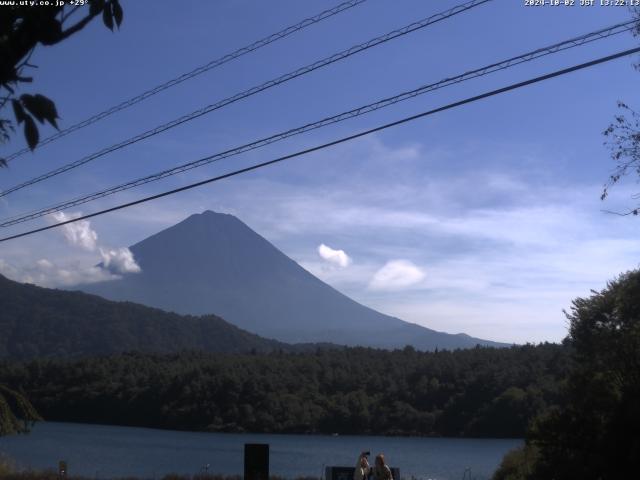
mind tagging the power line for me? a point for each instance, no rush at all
(476, 98)
(254, 90)
(362, 110)
(194, 73)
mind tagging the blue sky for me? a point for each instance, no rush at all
(485, 219)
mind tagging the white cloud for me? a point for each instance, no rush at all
(46, 273)
(78, 233)
(396, 275)
(115, 261)
(335, 257)
(119, 261)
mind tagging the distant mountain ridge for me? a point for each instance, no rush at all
(44, 322)
(214, 263)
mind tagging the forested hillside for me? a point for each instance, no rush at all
(476, 392)
(42, 322)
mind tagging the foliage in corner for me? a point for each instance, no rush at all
(16, 412)
(593, 433)
(22, 29)
(517, 464)
(623, 140)
(622, 137)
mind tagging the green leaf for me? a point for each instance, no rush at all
(117, 12)
(31, 132)
(107, 17)
(32, 106)
(41, 107)
(18, 111)
(48, 109)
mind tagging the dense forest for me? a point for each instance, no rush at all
(483, 392)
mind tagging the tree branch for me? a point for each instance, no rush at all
(78, 26)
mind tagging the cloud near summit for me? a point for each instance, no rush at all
(119, 261)
(80, 234)
(335, 257)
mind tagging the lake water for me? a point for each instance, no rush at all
(100, 451)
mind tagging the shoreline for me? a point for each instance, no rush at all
(293, 433)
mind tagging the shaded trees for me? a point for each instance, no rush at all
(594, 430)
(597, 432)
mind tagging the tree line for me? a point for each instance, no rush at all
(480, 392)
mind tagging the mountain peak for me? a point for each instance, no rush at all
(213, 263)
(209, 216)
(197, 235)
(210, 223)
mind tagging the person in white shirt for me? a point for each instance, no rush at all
(362, 467)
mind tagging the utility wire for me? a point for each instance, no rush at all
(362, 110)
(252, 91)
(194, 73)
(450, 106)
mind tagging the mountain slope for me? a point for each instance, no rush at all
(37, 321)
(214, 263)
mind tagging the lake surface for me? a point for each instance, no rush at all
(100, 451)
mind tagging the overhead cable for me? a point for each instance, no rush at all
(362, 110)
(254, 90)
(193, 73)
(300, 153)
